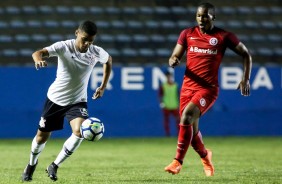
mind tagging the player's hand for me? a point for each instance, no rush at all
(173, 62)
(162, 105)
(244, 87)
(40, 64)
(98, 93)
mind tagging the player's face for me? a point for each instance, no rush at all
(83, 41)
(169, 78)
(204, 19)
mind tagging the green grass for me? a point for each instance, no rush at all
(141, 160)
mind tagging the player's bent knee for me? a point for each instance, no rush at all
(77, 133)
(42, 137)
(186, 119)
(189, 116)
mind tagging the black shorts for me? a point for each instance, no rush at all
(52, 117)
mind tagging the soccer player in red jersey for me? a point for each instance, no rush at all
(204, 45)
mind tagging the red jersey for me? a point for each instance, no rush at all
(204, 53)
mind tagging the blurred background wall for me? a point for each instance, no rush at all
(140, 34)
(140, 31)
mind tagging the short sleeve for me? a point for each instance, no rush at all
(182, 38)
(55, 49)
(231, 40)
(103, 55)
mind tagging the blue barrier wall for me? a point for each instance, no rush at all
(130, 105)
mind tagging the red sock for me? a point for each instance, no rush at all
(198, 145)
(184, 140)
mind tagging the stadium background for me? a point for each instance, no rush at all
(140, 36)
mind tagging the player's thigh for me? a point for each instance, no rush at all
(166, 112)
(76, 114)
(175, 113)
(185, 98)
(52, 117)
(204, 99)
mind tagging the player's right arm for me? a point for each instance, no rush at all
(176, 55)
(38, 57)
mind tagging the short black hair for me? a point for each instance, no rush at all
(88, 27)
(168, 72)
(208, 6)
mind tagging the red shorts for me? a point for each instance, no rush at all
(203, 98)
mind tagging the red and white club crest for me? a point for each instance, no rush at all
(213, 41)
(202, 102)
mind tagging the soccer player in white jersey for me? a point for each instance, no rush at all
(67, 95)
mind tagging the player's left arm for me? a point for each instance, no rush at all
(244, 85)
(107, 67)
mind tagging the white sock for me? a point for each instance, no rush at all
(71, 144)
(35, 151)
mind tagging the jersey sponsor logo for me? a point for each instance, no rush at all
(204, 51)
(193, 38)
(213, 41)
(83, 112)
(203, 102)
(42, 122)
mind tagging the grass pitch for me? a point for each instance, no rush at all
(142, 160)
